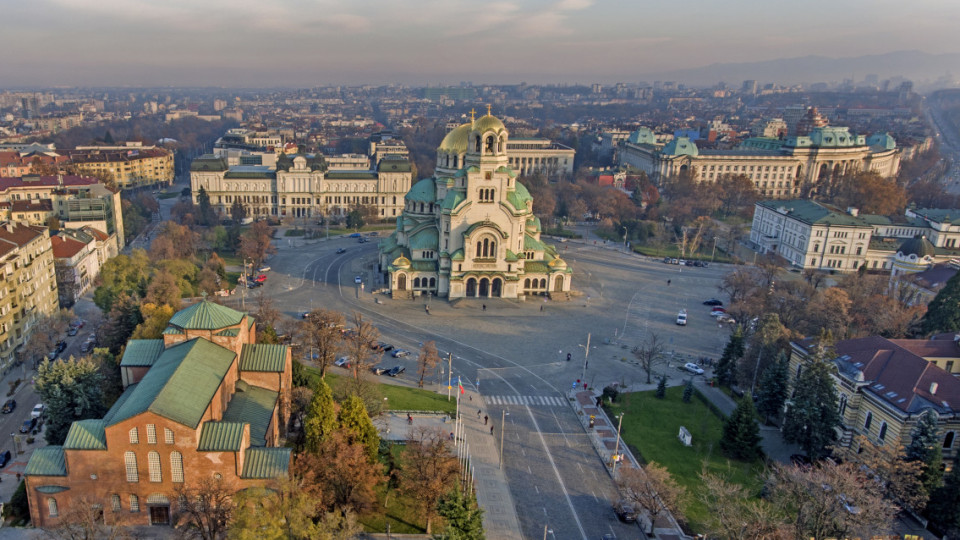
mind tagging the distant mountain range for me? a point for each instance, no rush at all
(917, 66)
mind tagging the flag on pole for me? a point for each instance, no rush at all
(460, 385)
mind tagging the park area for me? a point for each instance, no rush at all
(651, 427)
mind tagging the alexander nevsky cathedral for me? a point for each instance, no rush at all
(469, 231)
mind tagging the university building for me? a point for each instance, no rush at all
(469, 231)
(203, 402)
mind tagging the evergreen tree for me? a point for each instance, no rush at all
(355, 219)
(207, 215)
(354, 419)
(299, 374)
(812, 419)
(944, 506)
(464, 518)
(773, 390)
(321, 417)
(688, 391)
(661, 388)
(726, 370)
(71, 390)
(741, 434)
(925, 447)
(237, 212)
(943, 312)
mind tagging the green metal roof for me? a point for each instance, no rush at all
(171, 330)
(811, 212)
(453, 199)
(180, 384)
(939, 215)
(457, 255)
(234, 174)
(506, 170)
(253, 405)
(351, 175)
(511, 257)
(86, 435)
(221, 437)
(424, 266)
(536, 267)
(141, 352)
(48, 461)
(260, 357)
(206, 315)
(518, 197)
(423, 191)
(209, 162)
(127, 392)
(428, 238)
(389, 164)
(266, 463)
(51, 489)
(530, 242)
(229, 332)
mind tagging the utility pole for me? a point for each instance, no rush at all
(586, 355)
(449, 374)
(616, 451)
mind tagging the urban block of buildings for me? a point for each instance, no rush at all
(203, 402)
(131, 164)
(78, 256)
(469, 231)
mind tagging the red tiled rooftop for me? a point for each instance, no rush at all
(65, 247)
(7, 182)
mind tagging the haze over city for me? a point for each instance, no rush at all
(287, 43)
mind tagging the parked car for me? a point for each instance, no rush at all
(362, 240)
(682, 317)
(358, 279)
(86, 347)
(724, 318)
(341, 250)
(712, 302)
(9, 406)
(693, 368)
(61, 346)
(374, 233)
(37, 411)
(5, 458)
(254, 284)
(396, 370)
(379, 370)
(343, 362)
(263, 269)
(28, 425)
(401, 353)
(717, 309)
(626, 511)
(304, 314)
(355, 235)
(73, 331)
(78, 323)
(261, 278)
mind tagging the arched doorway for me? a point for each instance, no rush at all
(496, 288)
(484, 287)
(558, 284)
(471, 287)
(402, 282)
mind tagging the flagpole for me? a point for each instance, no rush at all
(450, 376)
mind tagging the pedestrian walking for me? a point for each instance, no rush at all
(541, 308)
(668, 283)
(478, 414)
(491, 432)
(485, 418)
(484, 307)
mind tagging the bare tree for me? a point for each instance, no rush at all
(85, 520)
(649, 354)
(45, 333)
(653, 489)
(428, 471)
(266, 313)
(429, 358)
(322, 331)
(205, 509)
(736, 514)
(359, 344)
(740, 283)
(300, 398)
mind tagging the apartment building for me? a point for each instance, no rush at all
(132, 164)
(78, 255)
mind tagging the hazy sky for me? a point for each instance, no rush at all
(315, 42)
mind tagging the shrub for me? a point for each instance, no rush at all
(610, 394)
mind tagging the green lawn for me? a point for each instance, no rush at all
(650, 428)
(399, 398)
(169, 195)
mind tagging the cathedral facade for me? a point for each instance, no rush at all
(469, 231)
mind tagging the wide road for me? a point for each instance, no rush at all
(514, 353)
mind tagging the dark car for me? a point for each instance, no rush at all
(86, 347)
(73, 331)
(4, 459)
(713, 302)
(61, 346)
(28, 425)
(382, 346)
(341, 250)
(379, 370)
(9, 406)
(362, 241)
(374, 233)
(355, 235)
(626, 511)
(396, 370)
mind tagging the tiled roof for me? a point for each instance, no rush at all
(32, 205)
(65, 247)
(86, 435)
(263, 357)
(253, 405)
(266, 463)
(351, 175)
(206, 315)
(141, 352)
(7, 182)
(427, 238)
(180, 384)
(48, 461)
(221, 437)
(96, 233)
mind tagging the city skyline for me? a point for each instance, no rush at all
(284, 43)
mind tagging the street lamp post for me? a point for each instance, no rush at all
(714, 254)
(586, 354)
(624, 239)
(503, 417)
(616, 451)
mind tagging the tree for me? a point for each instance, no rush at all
(163, 290)
(205, 509)
(737, 514)
(320, 420)
(661, 387)
(898, 478)
(207, 216)
(649, 354)
(944, 506)
(123, 274)
(653, 489)
(358, 345)
(122, 319)
(463, 517)
(238, 212)
(741, 434)
(773, 390)
(925, 447)
(428, 359)
(45, 334)
(111, 386)
(428, 470)
(943, 312)
(301, 398)
(71, 390)
(288, 509)
(355, 421)
(355, 219)
(155, 320)
(831, 501)
(322, 331)
(813, 416)
(726, 370)
(257, 243)
(688, 391)
(342, 474)
(84, 520)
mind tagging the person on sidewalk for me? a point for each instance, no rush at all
(485, 418)
(491, 429)
(478, 414)
(484, 307)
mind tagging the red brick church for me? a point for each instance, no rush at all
(203, 401)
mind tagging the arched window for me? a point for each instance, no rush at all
(134, 503)
(151, 434)
(134, 436)
(948, 440)
(478, 143)
(168, 435)
(130, 463)
(153, 462)
(52, 510)
(394, 199)
(433, 282)
(526, 283)
(490, 144)
(883, 431)
(479, 248)
(416, 282)
(843, 405)
(868, 421)
(115, 502)
(176, 467)
(543, 283)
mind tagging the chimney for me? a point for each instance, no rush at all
(853, 211)
(9, 226)
(933, 388)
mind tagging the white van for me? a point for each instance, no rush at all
(682, 317)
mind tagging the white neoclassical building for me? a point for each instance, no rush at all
(469, 231)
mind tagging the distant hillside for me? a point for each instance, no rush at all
(914, 65)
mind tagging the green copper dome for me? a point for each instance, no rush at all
(422, 191)
(919, 246)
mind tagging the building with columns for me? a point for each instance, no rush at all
(469, 231)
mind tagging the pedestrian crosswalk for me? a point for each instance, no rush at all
(536, 401)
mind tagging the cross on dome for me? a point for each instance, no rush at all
(488, 109)
(472, 114)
